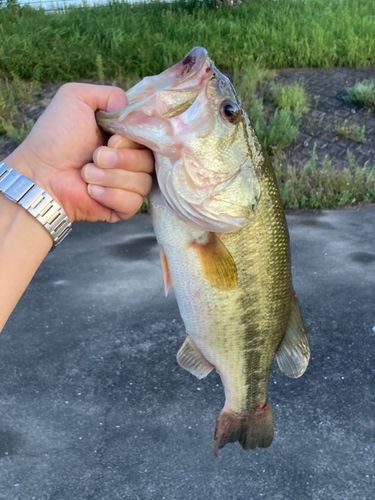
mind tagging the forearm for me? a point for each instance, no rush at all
(24, 243)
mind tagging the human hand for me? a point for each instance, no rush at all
(65, 155)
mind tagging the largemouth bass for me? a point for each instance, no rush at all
(223, 238)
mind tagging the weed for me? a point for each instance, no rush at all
(13, 123)
(362, 93)
(281, 130)
(257, 116)
(251, 77)
(358, 133)
(275, 128)
(292, 97)
(99, 66)
(326, 186)
(353, 132)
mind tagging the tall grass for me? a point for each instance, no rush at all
(144, 39)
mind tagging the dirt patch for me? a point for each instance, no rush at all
(328, 112)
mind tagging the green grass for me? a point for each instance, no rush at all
(14, 92)
(276, 128)
(292, 97)
(144, 39)
(280, 130)
(326, 186)
(353, 132)
(362, 93)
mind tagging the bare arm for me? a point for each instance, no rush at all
(23, 245)
(66, 156)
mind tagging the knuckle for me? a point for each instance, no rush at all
(68, 88)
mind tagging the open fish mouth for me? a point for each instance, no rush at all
(187, 74)
(166, 95)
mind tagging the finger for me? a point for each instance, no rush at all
(124, 203)
(133, 160)
(119, 142)
(137, 182)
(97, 96)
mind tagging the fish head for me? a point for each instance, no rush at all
(204, 146)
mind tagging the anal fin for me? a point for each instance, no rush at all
(190, 358)
(294, 353)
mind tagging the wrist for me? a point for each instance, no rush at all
(23, 191)
(23, 162)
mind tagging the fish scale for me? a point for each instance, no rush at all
(264, 290)
(223, 239)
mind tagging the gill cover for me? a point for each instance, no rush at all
(191, 118)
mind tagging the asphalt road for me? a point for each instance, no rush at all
(93, 404)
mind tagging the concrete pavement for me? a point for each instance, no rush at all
(94, 406)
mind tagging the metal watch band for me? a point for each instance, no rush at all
(36, 201)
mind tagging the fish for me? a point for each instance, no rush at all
(223, 238)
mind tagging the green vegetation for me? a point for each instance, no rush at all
(281, 129)
(362, 93)
(292, 97)
(120, 43)
(326, 186)
(276, 128)
(353, 132)
(144, 39)
(144, 207)
(12, 93)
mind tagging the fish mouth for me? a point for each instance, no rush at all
(192, 62)
(168, 94)
(187, 74)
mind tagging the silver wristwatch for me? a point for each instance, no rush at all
(36, 201)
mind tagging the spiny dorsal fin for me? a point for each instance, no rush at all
(190, 358)
(165, 268)
(294, 352)
(217, 264)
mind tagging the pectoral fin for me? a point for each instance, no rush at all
(217, 264)
(190, 358)
(294, 352)
(165, 268)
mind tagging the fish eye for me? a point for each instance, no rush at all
(229, 111)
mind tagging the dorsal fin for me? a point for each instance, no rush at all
(190, 358)
(294, 353)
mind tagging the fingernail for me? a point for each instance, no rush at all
(106, 158)
(95, 191)
(117, 100)
(93, 174)
(120, 144)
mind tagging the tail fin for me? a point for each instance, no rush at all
(250, 430)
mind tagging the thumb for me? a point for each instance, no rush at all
(102, 97)
(117, 100)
